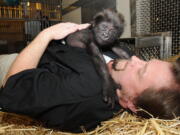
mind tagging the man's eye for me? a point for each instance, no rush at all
(119, 86)
(140, 72)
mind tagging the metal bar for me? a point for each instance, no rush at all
(148, 41)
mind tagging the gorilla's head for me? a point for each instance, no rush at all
(107, 27)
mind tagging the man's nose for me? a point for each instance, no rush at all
(134, 58)
(136, 61)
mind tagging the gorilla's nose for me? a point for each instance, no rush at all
(105, 35)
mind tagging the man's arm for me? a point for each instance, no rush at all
(30, 56)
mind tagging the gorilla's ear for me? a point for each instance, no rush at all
(98, 18)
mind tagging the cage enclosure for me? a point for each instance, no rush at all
(153, 17)
(21, 21)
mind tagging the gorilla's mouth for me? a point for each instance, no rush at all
(105, 35)
(110, 36)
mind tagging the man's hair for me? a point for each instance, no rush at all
(163, 103)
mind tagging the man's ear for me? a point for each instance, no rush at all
(131, 106)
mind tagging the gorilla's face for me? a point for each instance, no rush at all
(105, 33)
(107, 27)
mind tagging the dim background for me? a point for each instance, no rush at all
(152, 26)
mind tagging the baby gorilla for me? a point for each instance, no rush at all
(106, 27)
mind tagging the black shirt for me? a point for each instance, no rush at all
(63, 92)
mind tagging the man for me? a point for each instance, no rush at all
(153, 86)
(58, 84)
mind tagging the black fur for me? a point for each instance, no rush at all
(106, 27)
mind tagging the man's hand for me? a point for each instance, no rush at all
(61, 30)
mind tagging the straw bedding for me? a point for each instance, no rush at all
(122, 124)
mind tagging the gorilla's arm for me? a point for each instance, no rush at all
(109, 86)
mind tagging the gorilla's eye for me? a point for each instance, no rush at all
(104, 26)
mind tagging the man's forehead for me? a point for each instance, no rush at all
(163, 76)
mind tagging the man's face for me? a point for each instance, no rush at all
(136, 75)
